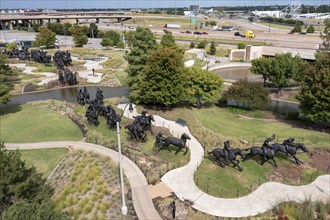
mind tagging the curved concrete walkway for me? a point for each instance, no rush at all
(264, 198)
(142, 200)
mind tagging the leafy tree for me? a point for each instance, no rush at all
(66, 29)
(168, 40)
(25, 210)
(164, 78)
(92, 30)
(249, 94)
(283, 68)
(202, 44)
(326, 23)
(79, 37)
(6, 75)
(314, 95)
(56, 27)
(114, 36)
(310, 29)
(35, 27)
(45, 37)
(107, 42)
(204, 86)
(120, 44)
(142, 42)
(18, 183)
(213, 49)
(261, 66)
(325, 46)
(192, 44)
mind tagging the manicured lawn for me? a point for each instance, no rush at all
(237, 128)
(45, 160)
(32, 124)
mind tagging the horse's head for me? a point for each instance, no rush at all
(185, 136)
(151, 118)
(301, 146)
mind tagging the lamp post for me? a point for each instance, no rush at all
(123, 207)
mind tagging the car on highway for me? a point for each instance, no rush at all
(198, 33)
(188, 32)
(205, 33)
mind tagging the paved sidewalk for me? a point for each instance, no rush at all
(268, 195)
(142, 200)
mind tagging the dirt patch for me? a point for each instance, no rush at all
(290, 171)
(320, 159)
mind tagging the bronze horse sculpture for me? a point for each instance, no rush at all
(178, 142)
(269, 155)
(291, 149)
(219, 153)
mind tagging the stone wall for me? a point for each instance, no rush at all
(237, 55)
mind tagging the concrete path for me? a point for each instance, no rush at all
(29, 70)
(142, 200)
(268, 195)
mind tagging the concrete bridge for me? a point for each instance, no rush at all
(9, 21)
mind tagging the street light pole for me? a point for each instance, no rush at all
(123, 207)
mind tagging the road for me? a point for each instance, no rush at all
(142, 200)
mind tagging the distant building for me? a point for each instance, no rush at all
(275, 14)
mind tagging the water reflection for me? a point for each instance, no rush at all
(235, 73)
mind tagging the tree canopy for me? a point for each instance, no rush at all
(6, 75)
(213, 49)
(168, 40)
(262, 66)
(249, 94)
(79, 35)
(203, 87)
(164, 80)
(314, 95)
(45, 37)
(18, 182)
(142, 42)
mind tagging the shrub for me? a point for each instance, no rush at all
(202, 44)
(192, 44)
(310, 29)
(292, 115)
(241, 45)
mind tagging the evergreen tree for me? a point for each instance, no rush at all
(18, 183)
(107, 42)
(142, 42)
(92, 30)
(310, 29)
(45, 37)
(168, 40)
(6, 75)
(213, 49)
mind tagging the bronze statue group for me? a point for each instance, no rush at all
(223, 156)
(96, 108)
(267, 152)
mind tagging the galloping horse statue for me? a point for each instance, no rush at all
(269, 155)
(180, 143)
(292, 149)
(232, 154)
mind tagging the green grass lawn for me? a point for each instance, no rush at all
(236, 128)
(45, 160)
(32, 124)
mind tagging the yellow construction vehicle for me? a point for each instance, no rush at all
(249, 34)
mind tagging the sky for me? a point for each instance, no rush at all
(49, 4)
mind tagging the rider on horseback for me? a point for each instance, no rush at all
(288, 142)
(266, 146)
(226, 149)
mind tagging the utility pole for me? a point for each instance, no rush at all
(123, 207)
